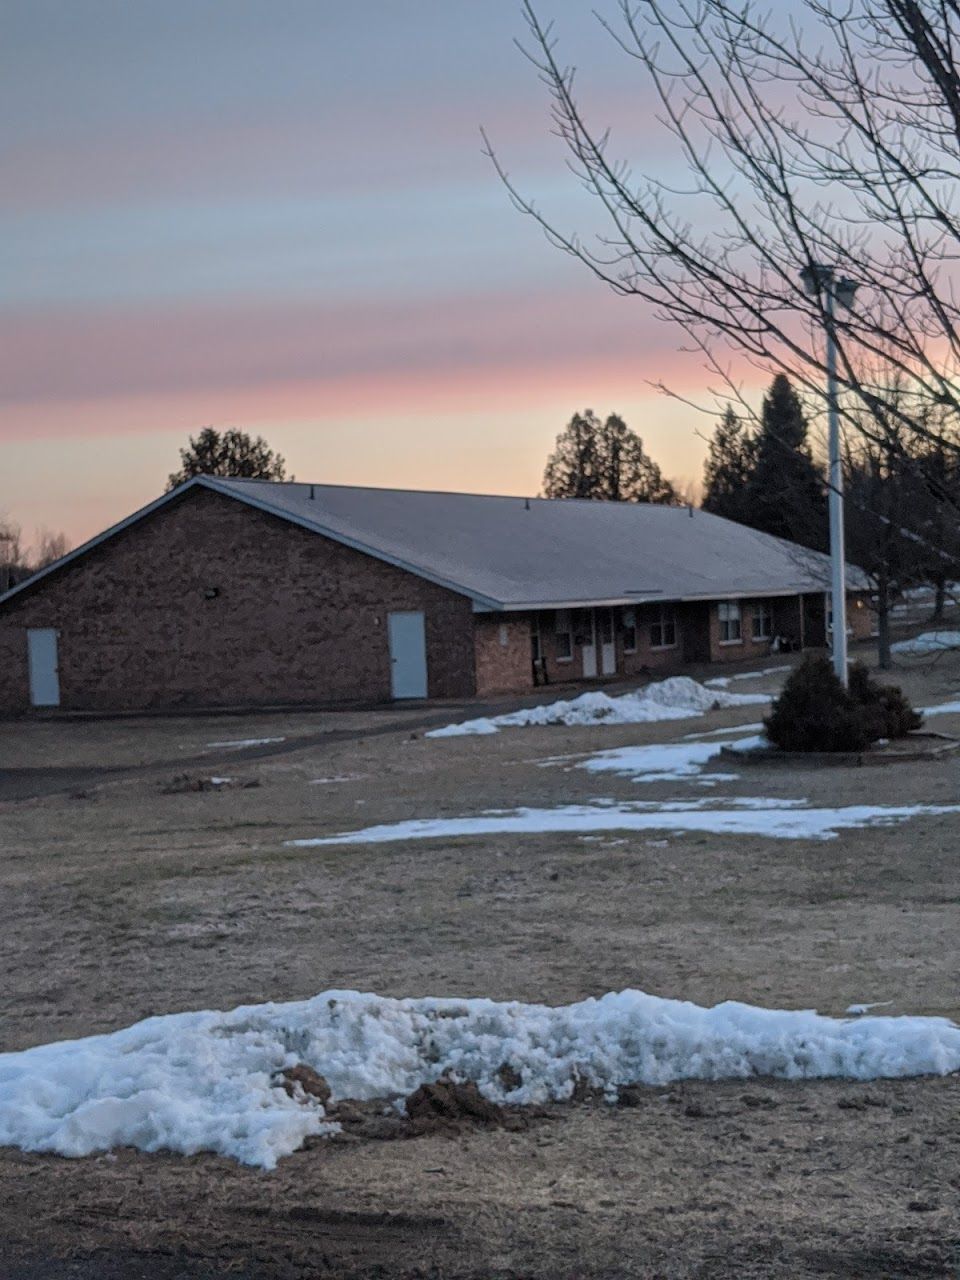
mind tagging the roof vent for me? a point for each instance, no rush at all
(526, 504)
(689, 509)
(312, 495)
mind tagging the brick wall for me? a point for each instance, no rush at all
(504, 656)
(297, 618)
(860, 618)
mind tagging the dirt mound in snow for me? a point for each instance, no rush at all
(301, 1079)
(446, 1107)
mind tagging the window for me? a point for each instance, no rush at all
(663, 629)
(628, 624)
(564, 641)
(728, 612)
(535, 642)
(762, 621)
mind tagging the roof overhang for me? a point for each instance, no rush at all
(613, 602)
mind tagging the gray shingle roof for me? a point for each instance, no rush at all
(517, 553)
(520, 553)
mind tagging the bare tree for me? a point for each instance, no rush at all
(12, 560)
(832, 140)
(48, 546)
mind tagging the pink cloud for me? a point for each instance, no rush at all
(61, 357)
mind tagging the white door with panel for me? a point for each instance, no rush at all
(589, 648)
(408, 654)
(44, 667)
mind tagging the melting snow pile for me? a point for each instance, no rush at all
(750, 816)
(206, 1081)
(667, 762)
(678, 698)
(929, 642)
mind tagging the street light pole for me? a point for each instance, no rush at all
(837, 291)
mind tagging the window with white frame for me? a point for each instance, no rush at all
(663, 628)
(564, 635)
(728, 614)
(536, 646)
(762, 620)
(628, 625)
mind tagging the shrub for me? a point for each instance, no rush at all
(815, 713)
(889, 713)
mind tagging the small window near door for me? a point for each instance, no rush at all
(728, 613)
(536, 644)
(628, 625)
(564, 635)
(762, 621)
(663, 629)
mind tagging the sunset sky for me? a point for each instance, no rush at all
(277, 216)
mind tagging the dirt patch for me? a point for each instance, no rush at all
(447, 1106)
(302, 1081)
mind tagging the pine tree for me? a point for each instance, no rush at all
(728, 469)
(603, 460)
(228, 453)
(785, 492)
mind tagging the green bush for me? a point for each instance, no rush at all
(815, 713)
(889, 712)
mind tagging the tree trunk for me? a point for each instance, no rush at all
(940, 599)
(884, 659)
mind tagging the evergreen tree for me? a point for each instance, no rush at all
(228, 453)
(785, 491)
(603, 460)
(728, 469)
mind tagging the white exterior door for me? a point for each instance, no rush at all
(408, 655)
(44, 667)
(608, 645)
(590, 647)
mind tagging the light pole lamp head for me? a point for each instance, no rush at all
(843, 290)
(815, 276)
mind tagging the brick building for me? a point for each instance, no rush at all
(247, 592)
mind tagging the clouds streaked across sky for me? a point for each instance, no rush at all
(278, 217)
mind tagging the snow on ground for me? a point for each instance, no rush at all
(665, 762)
(246, 742)
(678, 698)
(762, 818)
(928, 642)
(941, 709)
(721, 682)
(756, 727)
(205, 1081)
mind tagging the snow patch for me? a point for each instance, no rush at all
(762, 818)
(678, 698)
(928, 642)
(669, 761)
(941, 709)
(756, 727)
(245, 742)
(721, 682)
(204, 1081)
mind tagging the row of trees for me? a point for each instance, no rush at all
(901, 483)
